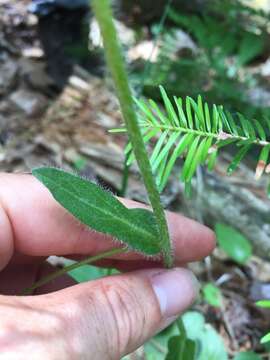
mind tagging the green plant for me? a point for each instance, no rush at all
(229, 36)
(180, 347)
(212, 295)
(195, 131)
(115, 61)
(139, 229)
(189, 128)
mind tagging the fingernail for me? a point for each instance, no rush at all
(175, 290)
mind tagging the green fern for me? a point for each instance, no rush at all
(196, 132)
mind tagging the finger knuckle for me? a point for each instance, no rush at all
(126, 313)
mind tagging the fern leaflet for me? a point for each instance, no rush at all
(195, 131)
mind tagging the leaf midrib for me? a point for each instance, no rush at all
(203, 133)
(142, 230)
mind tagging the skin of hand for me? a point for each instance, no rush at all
(102, 319)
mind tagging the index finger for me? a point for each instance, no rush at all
(34, 224)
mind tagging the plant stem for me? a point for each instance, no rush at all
(125, 177)
(103, 13)
(54, 275)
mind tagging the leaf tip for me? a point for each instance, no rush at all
(259, 169)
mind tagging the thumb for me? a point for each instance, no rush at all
(113, 316)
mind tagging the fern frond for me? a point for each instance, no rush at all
(196, 132)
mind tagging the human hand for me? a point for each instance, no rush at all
(102, 319)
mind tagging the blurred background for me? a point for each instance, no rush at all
(57, 104)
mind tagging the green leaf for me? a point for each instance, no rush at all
(260, 130)
(209, 343)
(207, 117)
(189, 159)
(166, 149)
(181, 114)
(159, 113)
(212, 295)
(206, 148)
(196, 161)
(263, 303)
(159, 146)
(232, 123)
(233, 243)
(238, 158)
(180, 148)
(250, 47)
(144, 108)
(247, 355)
(180, 348)
(101, 211)
(169, 107)
(189, 112)
(265, 338)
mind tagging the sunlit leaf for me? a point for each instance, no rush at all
(265, 338)
(263, 303)
(212, 295)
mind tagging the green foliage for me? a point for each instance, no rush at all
(248, 355)
(233, 243)
(180, 347)
(101, 211)
(229, 36)
(211, 33)
(212, 295)
(194, 130)
(263, 303)
(210, 345)
(265, 338)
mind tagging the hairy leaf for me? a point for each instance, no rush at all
(101, 211)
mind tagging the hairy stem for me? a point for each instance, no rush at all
(103, 12)
(88, 260)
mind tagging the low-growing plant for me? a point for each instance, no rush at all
(188, 129)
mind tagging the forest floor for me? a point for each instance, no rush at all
(65, 123)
